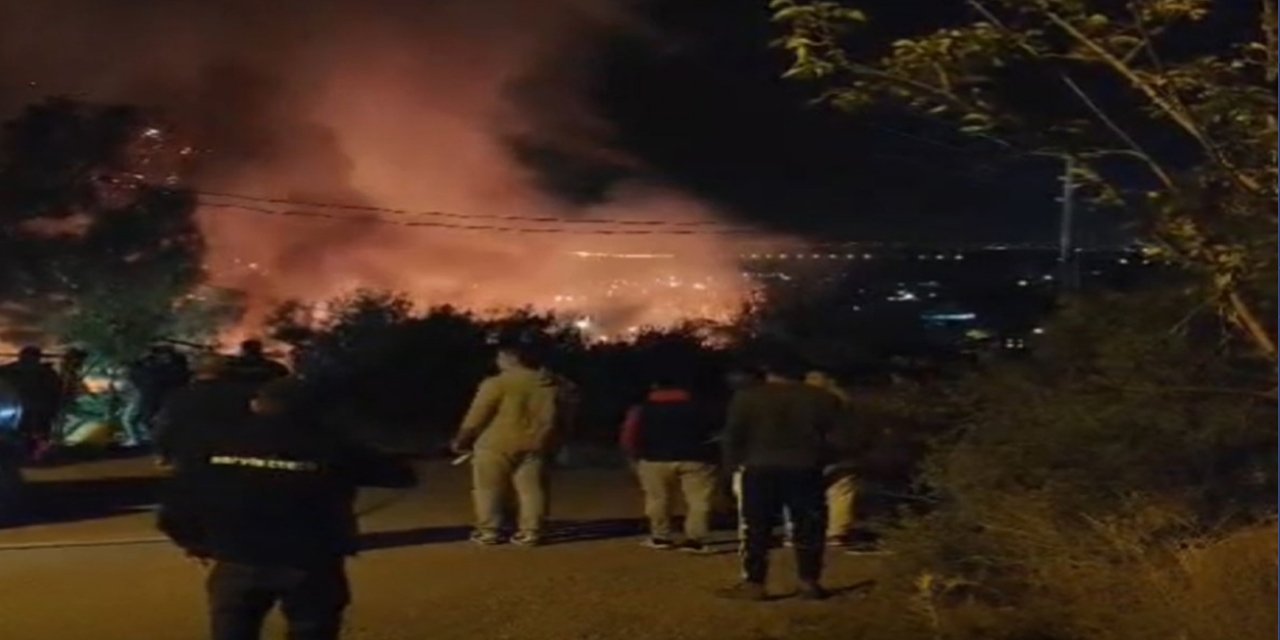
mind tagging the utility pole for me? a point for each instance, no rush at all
(1068, 272)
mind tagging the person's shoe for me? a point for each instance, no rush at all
(813, 591)
(525, 539)
(748, 591)
(837, 542)
(486, 539)
(661, 544)
(695, 547)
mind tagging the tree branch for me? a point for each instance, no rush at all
(940, 94)
(1165, 105)
(942, 78)
(1138, 151)
(1147, 44)
(1244, 316)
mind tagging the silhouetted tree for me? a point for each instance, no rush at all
(98, 238)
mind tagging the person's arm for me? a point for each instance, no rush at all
(629, 439)
(734, 441)
(483, 408)
(828, 425)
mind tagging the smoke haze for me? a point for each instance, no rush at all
(472, 106)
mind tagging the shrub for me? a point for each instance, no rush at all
(1092, 490)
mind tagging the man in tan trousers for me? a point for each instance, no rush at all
(514, 424)
(669, 436)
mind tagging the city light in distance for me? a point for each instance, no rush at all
(623, 256)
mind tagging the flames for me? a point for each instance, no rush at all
(613, 286)
(453, 106)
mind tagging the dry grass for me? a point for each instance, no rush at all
(1041, 576)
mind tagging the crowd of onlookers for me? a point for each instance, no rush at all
(262, 482)
(41, 394)
(53, 402)
(263, 486)
(787, 439)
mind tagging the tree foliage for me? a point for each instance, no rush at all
(1182, 91)
(404, 376)
(1109, 485)
(1086, 485)
(98, 239)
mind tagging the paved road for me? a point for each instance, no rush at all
(418, 580)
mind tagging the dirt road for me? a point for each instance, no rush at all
(418, 579)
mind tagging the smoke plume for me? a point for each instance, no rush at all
(465, 106)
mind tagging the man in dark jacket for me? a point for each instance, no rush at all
(210, 403)
(777, 436)
(252, 365)
(38, 386)
(270, 504)
(154, 377)
(669, 436)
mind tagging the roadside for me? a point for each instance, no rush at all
(419, 580)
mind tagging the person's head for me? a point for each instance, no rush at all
(276, 397)
(251, 348)
(515, 355)
(30, 355)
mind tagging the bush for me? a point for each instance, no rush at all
(405, 378)
(1092, 490)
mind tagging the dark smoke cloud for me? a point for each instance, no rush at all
(456, 105)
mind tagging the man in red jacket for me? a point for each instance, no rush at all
(669, 435)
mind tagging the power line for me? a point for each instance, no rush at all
(374, 219)
(463, 216)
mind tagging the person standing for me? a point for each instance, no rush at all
(268, 505)
(11, 483)
(154, 377)
(38, 387)
(514, 424)
(252, 365)
(777, 436)
(842, 483)
(196, 413)
(669, 435)
(71, 370)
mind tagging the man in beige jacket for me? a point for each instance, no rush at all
(513, 427)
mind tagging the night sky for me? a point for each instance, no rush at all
(703, 104)
(688, 94)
